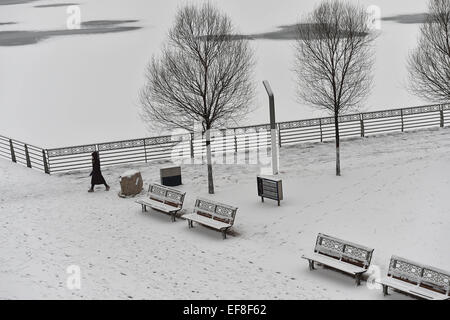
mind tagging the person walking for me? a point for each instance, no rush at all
(96, 173)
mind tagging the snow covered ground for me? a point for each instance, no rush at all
(393, 196)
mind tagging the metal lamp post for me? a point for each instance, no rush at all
(273, 128)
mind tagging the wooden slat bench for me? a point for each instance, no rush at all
(212, 214)
(342, 255)
(163, 199)
(417, 280)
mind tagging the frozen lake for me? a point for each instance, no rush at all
(75, 89)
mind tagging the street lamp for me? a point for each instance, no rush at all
(273, 128)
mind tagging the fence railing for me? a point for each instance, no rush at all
(24, 154)
(232, 140)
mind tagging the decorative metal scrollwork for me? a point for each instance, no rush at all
(424, 109)
(121, 145)
(172, 195)
(356, 253)
(405, 268)
(332, 245)
(206, 205)
(437, 278)
(300, 124)
(224, 211)
(159, 191)
(158, 140)
(71, 151)
(382, 114)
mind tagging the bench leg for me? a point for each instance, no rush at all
(358, 279)
(190, 225)
(224, 234)
(173, 214)
(385, 290)
(311, 265)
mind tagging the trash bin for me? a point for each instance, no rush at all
(170, 176)
(270, 187)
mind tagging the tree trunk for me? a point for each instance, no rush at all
(209, 162)
(338, 155)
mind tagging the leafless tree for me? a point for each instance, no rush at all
(334, 58)
(204, 74)
(429, 63)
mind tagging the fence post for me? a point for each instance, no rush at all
(403, 124)
(27, 156)
(279, 136)
(257, 138)
(224, 146)
(145, 151)
(320, 126)
(235, 142)
(11, 148)
(361, 120)
(191, 143)
(441, 111)
(46, 165)
(98, 152)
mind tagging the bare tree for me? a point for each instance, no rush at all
(429, 63)
(334, 58)
(203, 75)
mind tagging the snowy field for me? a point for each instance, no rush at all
(393, 196)
(64, 90)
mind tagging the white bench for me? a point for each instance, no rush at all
(212, 214)
(163, 199)
(417, 280)
(342, 255)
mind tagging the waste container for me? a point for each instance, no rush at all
(270, 187)
(170, 176)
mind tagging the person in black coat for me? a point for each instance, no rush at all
(96, 173)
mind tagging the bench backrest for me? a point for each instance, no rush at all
(166, 195)
(343, 250)
(215, 210)
(419, 274)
